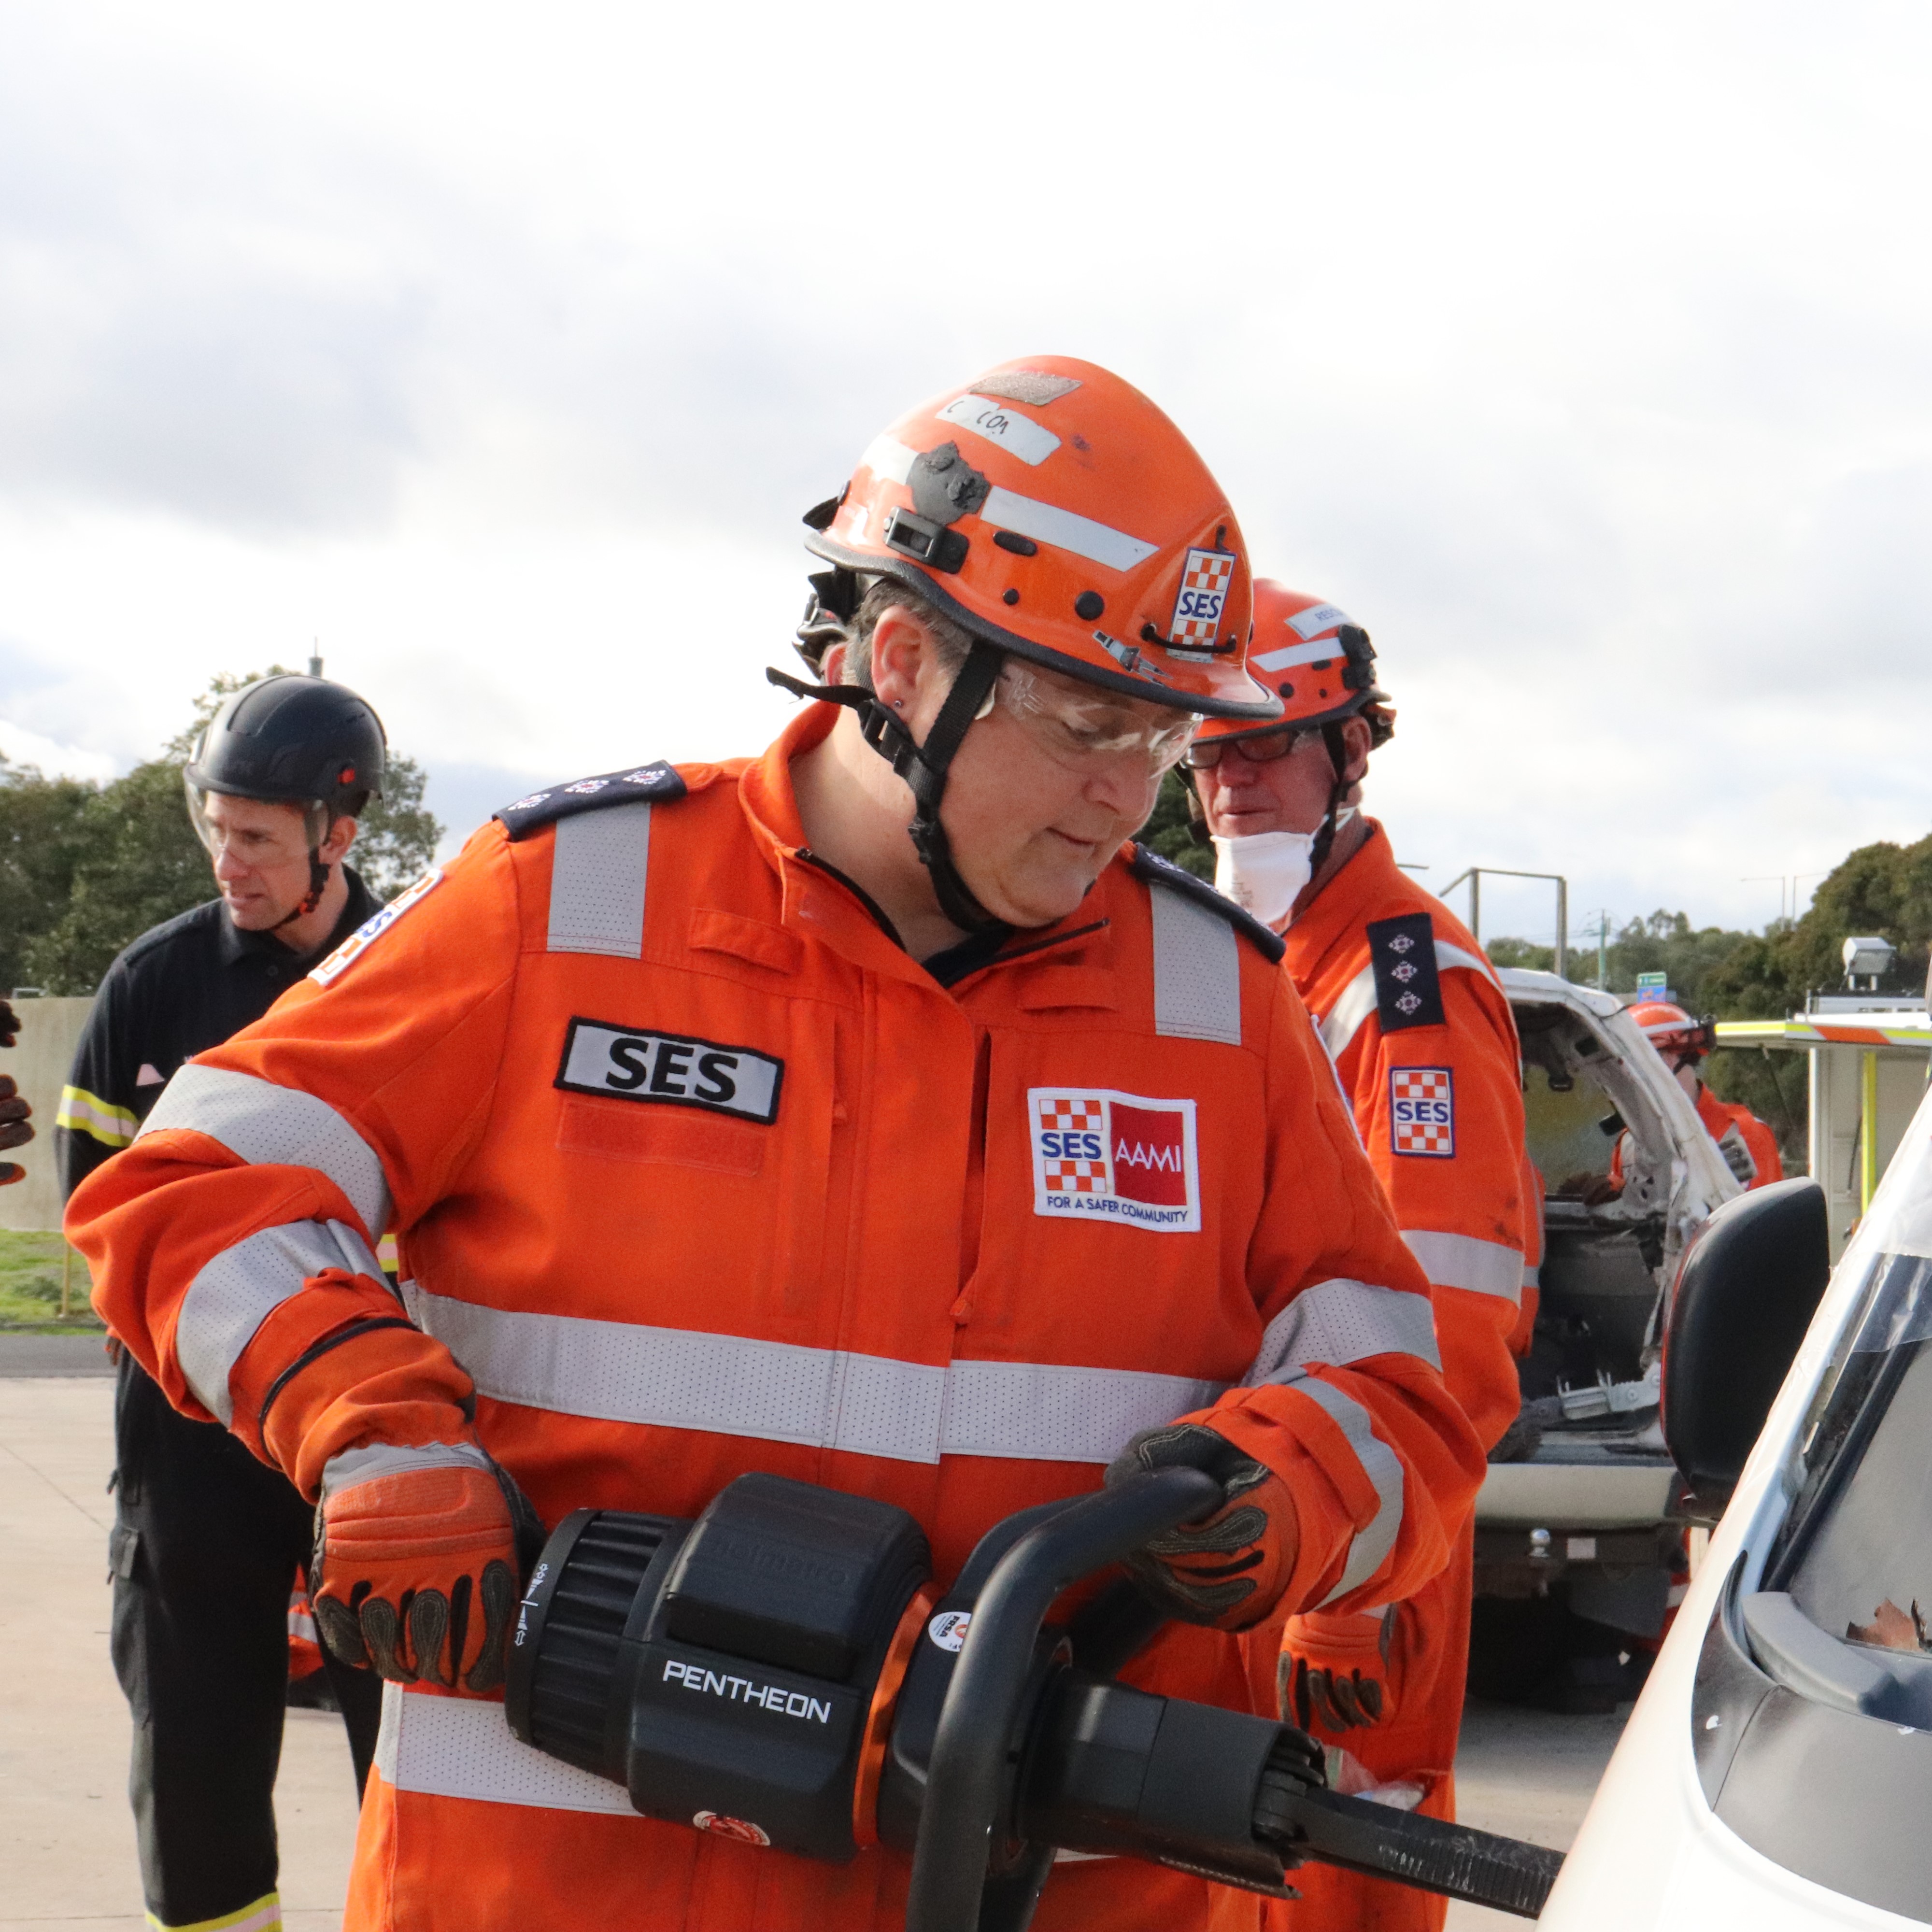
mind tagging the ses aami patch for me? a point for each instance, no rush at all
(669, 1069)
(1103, 1156)
(1422, 1110)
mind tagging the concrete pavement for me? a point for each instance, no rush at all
(67, 1841)
(67, 1838)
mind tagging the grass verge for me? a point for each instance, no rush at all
(30, 1284)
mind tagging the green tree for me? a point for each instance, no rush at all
(41, 842)
(85, 869)
(1172, 832)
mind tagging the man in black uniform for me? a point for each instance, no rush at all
(207, 1540)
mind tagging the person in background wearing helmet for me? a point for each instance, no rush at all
(1749, 1147)
(207, 1540)
(806, 1114)
(1425, 1050)
(14, 1112)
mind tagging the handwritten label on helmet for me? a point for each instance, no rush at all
(1001, 423)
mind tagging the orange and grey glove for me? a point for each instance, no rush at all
(14, 1131)
(1333, 1673)
(1229, 1569)
(419, 1558)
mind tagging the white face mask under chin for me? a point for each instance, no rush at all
(1264, 873)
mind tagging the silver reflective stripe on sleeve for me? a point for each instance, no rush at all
(779, 1392)
(458, 1747)
(1358, 1001)
(1358, 997)
(1340, 1321)
(365, 1465)
(1461, 1261)
(1197, 970)
(269, 1126)
(1532, 1277)
(236, 1292)
(598, 866)
(1370, 1550)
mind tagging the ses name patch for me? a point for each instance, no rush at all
(1098, 1155)
(669, 1069)
(1422, 1110)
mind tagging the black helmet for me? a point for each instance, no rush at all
(289, 740)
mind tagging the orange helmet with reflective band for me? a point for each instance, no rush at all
(1054, 512)
(1317, 659)
(1671, 1030)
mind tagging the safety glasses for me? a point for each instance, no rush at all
(1205, 754)
(1075, 731)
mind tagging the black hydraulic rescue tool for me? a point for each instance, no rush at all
(781, 1671)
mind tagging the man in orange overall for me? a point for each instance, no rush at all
(1426, 1050)
(886, 1121)
(1750, 1148)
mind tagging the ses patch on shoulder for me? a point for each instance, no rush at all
(371, 929)
(657, 781)
(1409, 992)
(1422, 1110)
(671, 1070)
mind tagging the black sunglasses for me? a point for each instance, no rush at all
(1205, 753)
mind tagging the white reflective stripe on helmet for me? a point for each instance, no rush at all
(1461, 1261)
(1339, 1322)
(1370, 1548)
(1197, 970)
(269, 1126)
(460, 1747)
(237, 1291)
(365, 1465)
(1338, 1025)
(599, 863)
(780, 1392)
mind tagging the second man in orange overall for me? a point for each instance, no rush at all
(1426, 1050)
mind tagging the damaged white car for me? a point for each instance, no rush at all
(1582, 1492)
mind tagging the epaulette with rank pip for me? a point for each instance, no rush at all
(655, 783)
(1409, 982)
(1149, 865)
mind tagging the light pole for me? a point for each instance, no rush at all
(1475, 876)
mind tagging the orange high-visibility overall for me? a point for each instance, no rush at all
(694, 1171)
(1425, 1050)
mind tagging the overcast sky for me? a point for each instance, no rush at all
(1583, 356)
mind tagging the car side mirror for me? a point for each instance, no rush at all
(1746, 1290)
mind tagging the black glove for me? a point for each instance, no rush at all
(1229, 1569)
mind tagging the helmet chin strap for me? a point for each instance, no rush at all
(1324, 836)
(318, 884)
(923, 767)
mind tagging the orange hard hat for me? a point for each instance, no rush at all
(1317, 659)
(1670, 1029)
(1052, 510)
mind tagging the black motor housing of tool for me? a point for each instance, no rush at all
(722, 1670)
(772, 1671)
